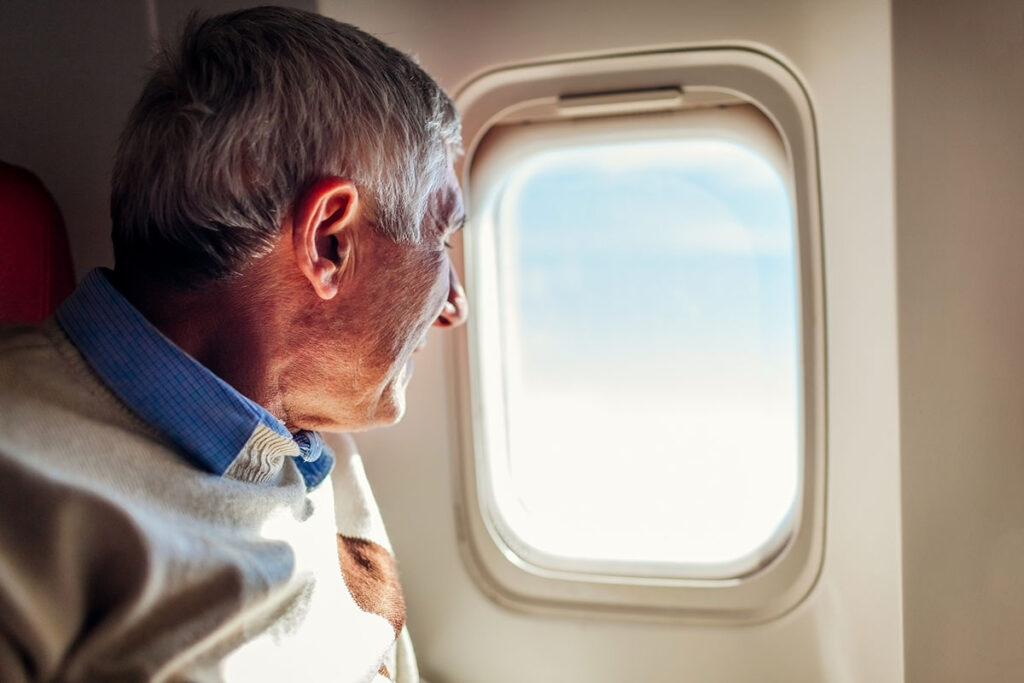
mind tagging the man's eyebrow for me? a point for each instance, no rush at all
(459, 223)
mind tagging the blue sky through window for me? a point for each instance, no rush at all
(651, 314)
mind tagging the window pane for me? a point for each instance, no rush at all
(649, 319)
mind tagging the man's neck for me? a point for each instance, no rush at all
(226, 326)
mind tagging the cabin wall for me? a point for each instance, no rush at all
(849, 628)
(959, 84)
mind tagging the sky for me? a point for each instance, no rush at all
(651, 355)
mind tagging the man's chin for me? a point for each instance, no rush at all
(389, 411)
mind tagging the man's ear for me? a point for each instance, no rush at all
(323, 223)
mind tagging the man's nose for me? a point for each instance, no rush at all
(456, 308)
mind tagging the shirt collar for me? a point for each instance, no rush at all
(199, 412)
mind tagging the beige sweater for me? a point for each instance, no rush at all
(119, 561)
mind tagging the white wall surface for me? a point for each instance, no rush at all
(959, 78)
(850, 627)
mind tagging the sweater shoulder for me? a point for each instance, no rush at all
(50, 395)
(18, 338)
(38, 365)
(30, 364)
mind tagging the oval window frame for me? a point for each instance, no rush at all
(619, 86)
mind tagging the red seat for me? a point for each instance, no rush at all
(35, 261)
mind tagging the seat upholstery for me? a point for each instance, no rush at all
(35, 261)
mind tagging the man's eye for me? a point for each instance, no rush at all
(447, 244)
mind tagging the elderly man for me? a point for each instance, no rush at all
(282, 200)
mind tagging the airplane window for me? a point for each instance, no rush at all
(650, 352)
(640, 391)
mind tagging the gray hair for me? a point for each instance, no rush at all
(250, 109)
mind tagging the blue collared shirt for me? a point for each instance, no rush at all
(205, 417)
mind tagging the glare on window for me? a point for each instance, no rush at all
(650, 354)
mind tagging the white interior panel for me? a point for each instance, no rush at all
(960, 170)
(849, 629)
